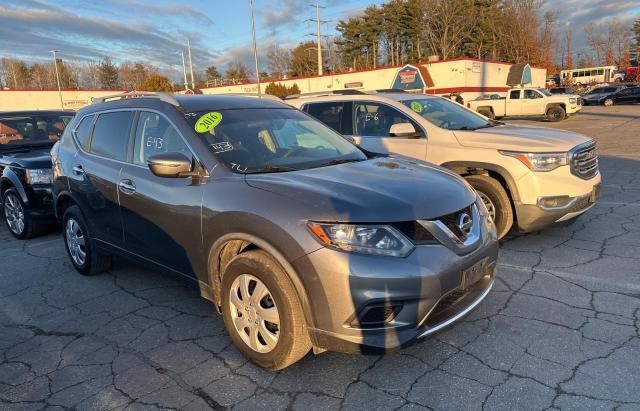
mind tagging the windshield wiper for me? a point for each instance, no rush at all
(339, 161)
(270, 169)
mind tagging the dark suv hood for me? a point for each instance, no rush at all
(27, 157)
(377, 190)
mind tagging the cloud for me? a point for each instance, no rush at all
(170, 9)
(31, 32)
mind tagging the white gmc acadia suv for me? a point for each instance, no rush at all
(529, 177)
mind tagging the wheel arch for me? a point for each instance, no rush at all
(62, 202)
(10, 180)
(232, 244)
(498, 172)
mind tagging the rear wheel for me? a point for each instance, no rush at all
(495, 198)
(487, 113)
(556, 113)
(262, 313)
(18, 221)
(85, 257)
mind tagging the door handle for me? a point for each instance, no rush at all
(127, 187)
(78, 170)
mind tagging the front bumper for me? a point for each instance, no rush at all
(426, 284)
(535, 217)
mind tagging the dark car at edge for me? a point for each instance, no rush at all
(26, 137)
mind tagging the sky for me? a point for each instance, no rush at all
(156, 30)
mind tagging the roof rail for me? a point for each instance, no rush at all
(324, 93)
(391, 90)
(166, 97)
(261, 95)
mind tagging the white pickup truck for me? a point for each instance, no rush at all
(528, 102)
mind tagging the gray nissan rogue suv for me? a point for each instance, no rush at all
(300, 238)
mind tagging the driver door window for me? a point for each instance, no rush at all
(372, 121)
(155, 135)
(375, 120)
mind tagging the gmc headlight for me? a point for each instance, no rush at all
(38, 175)
(539, 161)
(572, 101)
(367, 239)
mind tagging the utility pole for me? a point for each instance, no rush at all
(55, 63)
(318, 35)
(255, 48)
(184, 71)
(193, 84)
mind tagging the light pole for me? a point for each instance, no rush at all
(55, 64)
(255, 48)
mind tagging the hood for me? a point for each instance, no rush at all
(521, 138)
(560, 98)
(33, 158)
(379, 190)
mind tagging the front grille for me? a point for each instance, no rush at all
(415, 232)
(584, 161)
(452, 221)
(420, 235)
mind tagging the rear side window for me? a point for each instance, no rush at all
(514, 95)
(329, 113)
(111, 135)
(82, 131)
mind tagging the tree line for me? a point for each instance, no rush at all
(394, 33)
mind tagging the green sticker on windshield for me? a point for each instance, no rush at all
(208, 122)
(417, 107)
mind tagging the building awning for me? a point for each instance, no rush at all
(519, 74)
(412, 77)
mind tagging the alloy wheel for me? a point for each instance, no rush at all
(14, 214)
(489, 204)
(76, 242)
(608, 102)
(254, 313)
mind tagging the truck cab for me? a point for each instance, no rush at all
(529, 101)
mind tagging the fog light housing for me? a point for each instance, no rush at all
(554, 202)
(377, 314)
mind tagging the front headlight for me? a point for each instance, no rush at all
(539, 161)
(38, 176)
(572, 101)
(367, 239)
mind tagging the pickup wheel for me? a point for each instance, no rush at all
(487, 113)
(556, 113)
(496, 200)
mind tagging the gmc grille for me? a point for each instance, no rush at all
(584, 160)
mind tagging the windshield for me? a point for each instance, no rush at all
(271, 140)
(447, 114)
(545, 91)
(29, 130)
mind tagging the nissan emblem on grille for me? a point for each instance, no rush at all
(465, 224)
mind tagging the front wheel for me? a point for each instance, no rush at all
(556, 113)
(262, 312)
(496, 199)
(608, 102)
(18, 221)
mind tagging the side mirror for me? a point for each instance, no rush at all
(349, 139)
(171, 165)
(403, 130)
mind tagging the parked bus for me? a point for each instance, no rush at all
(590, 75)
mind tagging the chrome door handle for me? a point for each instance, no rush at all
(78, 170)
(127, 187)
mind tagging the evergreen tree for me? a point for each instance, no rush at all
(108, 74)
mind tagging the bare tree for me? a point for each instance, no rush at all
(278, 61)
(447, 22)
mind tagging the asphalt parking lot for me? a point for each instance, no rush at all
(560, 330)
